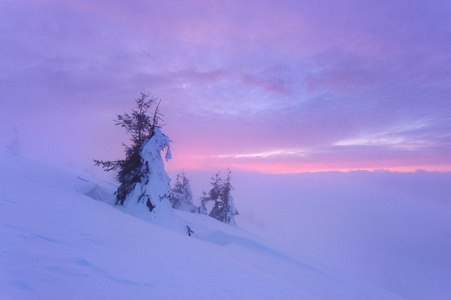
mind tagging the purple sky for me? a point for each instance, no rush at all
(272, 86)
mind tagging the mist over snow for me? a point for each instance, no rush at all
(392, 229)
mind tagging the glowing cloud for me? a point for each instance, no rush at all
(263, 85)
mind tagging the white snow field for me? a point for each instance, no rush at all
(58, 242)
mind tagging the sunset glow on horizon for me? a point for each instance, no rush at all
(265, 86)
(215, 164)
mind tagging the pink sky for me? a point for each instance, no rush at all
(270, 86)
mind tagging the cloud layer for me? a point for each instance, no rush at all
(274, 86)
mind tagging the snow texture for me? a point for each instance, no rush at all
(58, 243)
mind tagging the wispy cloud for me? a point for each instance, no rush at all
(350, 84)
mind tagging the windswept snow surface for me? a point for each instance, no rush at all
(57, 242)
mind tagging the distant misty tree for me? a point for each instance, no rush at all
(181, 195)
(13, 147)
(220, 195)
(202, 208)
(144, 189)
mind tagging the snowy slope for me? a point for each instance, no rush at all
(58, 243)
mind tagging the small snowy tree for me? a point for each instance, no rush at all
(202, 209)
(144, 189)
(181, 196)
(220, 194)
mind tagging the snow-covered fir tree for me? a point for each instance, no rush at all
(141, 128)
(220, 194)
(181, 195)
(144, 188)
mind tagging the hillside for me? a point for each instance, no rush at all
(57, 242)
